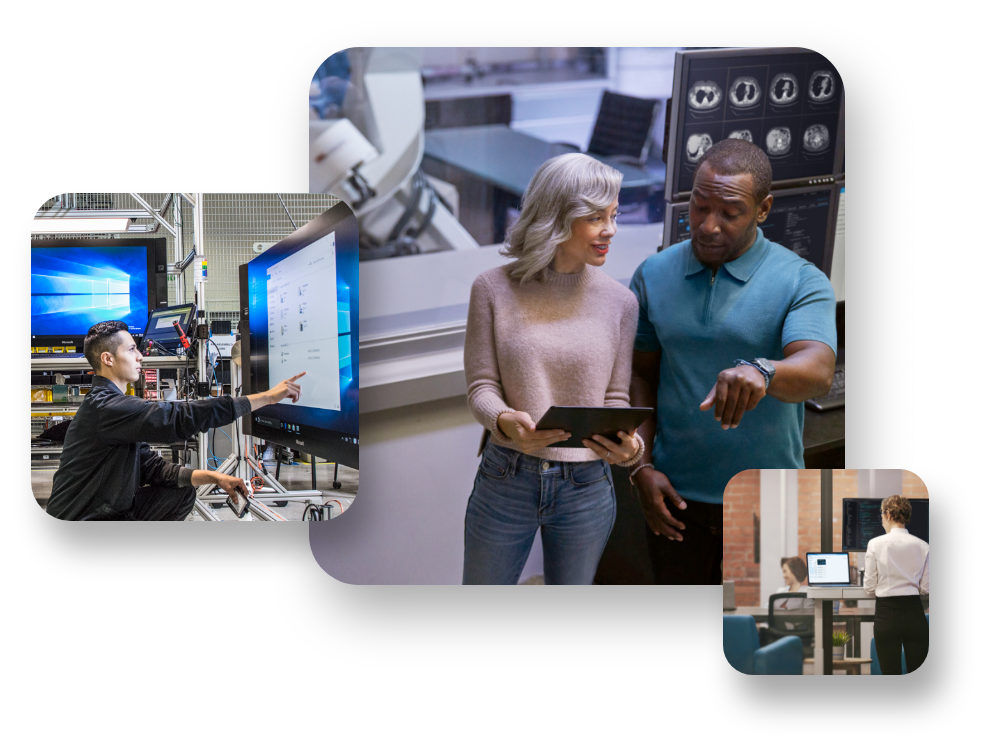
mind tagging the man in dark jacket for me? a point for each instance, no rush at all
(107, 471)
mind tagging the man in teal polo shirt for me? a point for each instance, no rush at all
(734, 333)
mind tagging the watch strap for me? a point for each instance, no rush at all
(754, 365)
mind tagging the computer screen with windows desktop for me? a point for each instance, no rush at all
(76, 283)
(301, 298)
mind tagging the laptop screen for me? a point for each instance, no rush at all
(160, 327)
(828, 568)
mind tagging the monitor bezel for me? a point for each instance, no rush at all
(828, 251)
(157, 270)
(843, 519)
(332, 444)
(677, 114)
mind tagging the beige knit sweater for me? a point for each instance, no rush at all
(563, 340)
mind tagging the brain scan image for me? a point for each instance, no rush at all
(742, 135)
(704, 95)
(745, 92)
(778, 141)
(784, 89)
(822, 86)
(816, 138)
(697, 145)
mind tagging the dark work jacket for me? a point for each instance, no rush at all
(105, 458)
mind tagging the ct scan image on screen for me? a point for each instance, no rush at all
(302, 323)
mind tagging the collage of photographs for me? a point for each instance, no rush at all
(579, 310)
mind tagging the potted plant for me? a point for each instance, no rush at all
(841, 638)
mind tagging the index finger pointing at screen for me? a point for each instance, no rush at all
(297, 376)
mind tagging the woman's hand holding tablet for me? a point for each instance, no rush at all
(613, 453)
(520, 428)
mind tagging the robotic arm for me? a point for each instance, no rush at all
(370, 158)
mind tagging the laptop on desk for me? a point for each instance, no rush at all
(825, 570)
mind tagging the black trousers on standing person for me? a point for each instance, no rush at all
(900, 624)
(697, 558)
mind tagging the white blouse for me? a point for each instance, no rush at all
(897, 564)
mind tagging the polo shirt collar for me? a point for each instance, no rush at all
(742, 268)
(99, 381)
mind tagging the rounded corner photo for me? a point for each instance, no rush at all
(194, 357)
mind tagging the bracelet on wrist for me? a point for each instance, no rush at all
(634, 472)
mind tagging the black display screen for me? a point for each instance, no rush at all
(787, 103)
(798, 222)
(862, 521)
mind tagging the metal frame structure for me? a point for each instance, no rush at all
(243, 466)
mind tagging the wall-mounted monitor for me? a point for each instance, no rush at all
(802, 219)
(302, 297)
(76, 283)
(862, 521)
(788, 101)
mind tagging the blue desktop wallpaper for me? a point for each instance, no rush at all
(73, 288)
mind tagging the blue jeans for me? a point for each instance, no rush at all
(514, 495)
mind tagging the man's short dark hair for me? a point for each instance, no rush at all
(734, 156)
(102, 337)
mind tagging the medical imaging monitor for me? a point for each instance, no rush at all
(302, 301)
(862, 521)
(802, 219)
(787, 101)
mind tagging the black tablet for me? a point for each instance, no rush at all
(584, 423)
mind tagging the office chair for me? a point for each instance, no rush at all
(623, 128)
(783, 657)
(790, 624)
(875, 668)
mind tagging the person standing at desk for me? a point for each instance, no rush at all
(548, 329)
(897, 572)
(731, 326)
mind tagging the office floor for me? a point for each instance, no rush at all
(293, 477)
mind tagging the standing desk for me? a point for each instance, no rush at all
(825, 596)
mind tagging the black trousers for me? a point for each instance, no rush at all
(154, 503)
(697, 558)
(900, 624)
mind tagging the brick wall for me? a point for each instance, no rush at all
(913, 487)
(742, 500)
(845, 485)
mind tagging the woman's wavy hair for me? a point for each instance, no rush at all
(564, 188)
(898, 509)
(797, 566)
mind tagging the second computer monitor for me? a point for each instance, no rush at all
(862, 522)
(801, 219)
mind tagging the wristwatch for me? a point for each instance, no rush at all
(763, 365)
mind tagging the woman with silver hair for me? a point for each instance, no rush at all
(549, 328)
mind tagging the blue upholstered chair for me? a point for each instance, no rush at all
(782, 657)
(875, 668)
